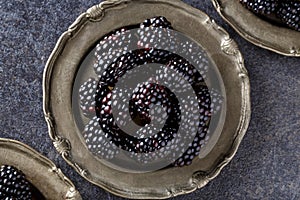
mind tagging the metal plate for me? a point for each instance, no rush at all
(66, 63)
(262, 33)
(39, 170)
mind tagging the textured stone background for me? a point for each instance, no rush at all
(267, 163)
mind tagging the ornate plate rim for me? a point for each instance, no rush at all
(259, 38)
(56, 173)
(227, 45)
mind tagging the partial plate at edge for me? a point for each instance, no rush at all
(262, 33)
(39, 170)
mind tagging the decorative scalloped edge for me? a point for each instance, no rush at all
(72, 193)
(96, 13)
(290, 51)
(199, 179)
(229, 47)
(62, 145)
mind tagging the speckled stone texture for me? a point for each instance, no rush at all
(267, 163)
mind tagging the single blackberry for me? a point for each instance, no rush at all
(112, 47)
(188, 71)
(195, 56)
(119, 102)
(146, 96)
(115, 70)
(157, 33)
(144, 158)
(170, 78)
(264, 7)
(194, 148)
(13, 184)
(98, 142)
(289, 13)
(157, 36)
(204, 102)
(158, 22)
(87, 94)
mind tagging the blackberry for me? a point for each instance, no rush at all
(13, 184)
(171, 79)
(185, 69)
(87, 94)
(98, 142)
(289, 13)
(194, 148)
(159, 38)
(264, 7)
(111, 47)
(195, 56)
(158, 22)
(144, 97)
(115, 70)
(157, 33)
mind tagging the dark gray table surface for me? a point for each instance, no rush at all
(267, 163)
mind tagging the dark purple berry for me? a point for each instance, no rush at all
(112, 47)
(289, 13)
(157, 33)
(158, 22)
(266, 7)
(98, 142)
(159, 38)
(145, 96)
(13, 184)
(195, 56)
(186, 70)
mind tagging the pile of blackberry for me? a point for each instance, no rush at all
(13, 184)
(116, 55)
(279, 11)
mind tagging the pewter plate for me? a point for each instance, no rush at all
(262, 33)
(39, 170)
(68, 65)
